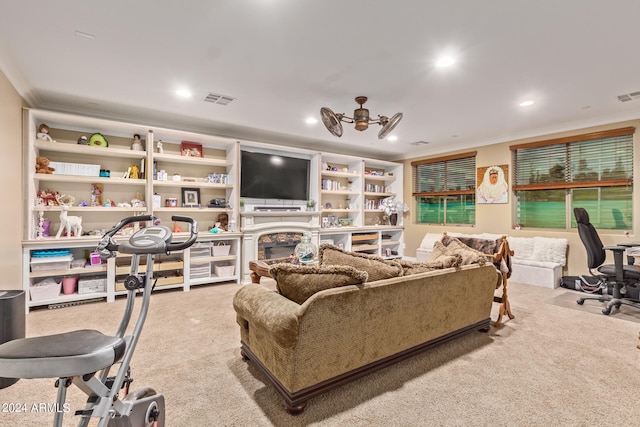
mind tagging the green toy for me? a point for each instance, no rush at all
(98, 140)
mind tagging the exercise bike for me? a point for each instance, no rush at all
(85, 357)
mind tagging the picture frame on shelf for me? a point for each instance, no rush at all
(190, 149)
(190, 197)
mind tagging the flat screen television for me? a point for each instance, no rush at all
(272, 176)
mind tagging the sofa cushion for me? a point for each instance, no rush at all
(443, 257)
(444, 260)
(469, 255)
(299, 282)
(377, 267)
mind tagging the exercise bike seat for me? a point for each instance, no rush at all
(60, 355)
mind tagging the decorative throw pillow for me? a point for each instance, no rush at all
(299, 282)
(443, 261)
(469, 255)
(441, 257)
(377, 267)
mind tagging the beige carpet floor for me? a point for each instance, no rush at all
(554, 364)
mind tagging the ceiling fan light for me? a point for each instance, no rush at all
(362, 125)
(361, 118)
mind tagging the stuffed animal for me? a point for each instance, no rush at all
(42, 165)
(43, 133)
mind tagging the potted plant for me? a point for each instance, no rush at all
(392, 207)
(242, 204)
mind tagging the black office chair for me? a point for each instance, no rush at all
(619, 275)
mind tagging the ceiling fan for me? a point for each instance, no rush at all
(361, 119)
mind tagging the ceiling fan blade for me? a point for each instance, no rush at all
(388, 125)
(331, 121)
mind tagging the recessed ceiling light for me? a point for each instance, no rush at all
(527, 103)
(184, 93)
(311, 120)
(392, 138)
(445, 61)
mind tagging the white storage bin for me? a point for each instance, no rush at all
(49, 289)
(87, 285)
(224, 270)
(221, 249)
(76, 169)
(51, 263)
(200, 252)
(201, 270)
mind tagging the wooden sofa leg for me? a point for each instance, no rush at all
(294, 409)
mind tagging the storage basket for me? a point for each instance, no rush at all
(224, 270)
(45, 291)
(87, 285)
(199, 271)
(200, 252)
(51, 263)
(221, 249)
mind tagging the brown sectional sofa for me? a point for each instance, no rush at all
(340, 334)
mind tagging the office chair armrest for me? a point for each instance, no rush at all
(630, 258)
(618, 252)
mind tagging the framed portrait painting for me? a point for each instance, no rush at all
(191, 197)
(493, 185)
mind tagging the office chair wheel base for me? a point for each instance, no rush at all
(606, 311)
(580, 301)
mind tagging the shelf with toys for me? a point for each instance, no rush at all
(88, 173)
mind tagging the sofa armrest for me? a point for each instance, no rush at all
(258, 306)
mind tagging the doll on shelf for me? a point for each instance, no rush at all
(43, 133)
(136, 145)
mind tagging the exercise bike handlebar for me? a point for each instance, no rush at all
(120, 225)
(192, 238)
(108, 245)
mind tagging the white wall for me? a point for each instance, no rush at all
(10, 176)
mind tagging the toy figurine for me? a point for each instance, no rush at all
(160, 149)
(136, 145)
(83, 140)
(43, 133)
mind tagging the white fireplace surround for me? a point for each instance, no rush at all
(257, 223)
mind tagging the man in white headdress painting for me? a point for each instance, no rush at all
(494, 187)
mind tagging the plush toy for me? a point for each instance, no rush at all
(43, 133)
(42, 165)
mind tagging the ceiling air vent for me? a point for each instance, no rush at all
(216, 98)
(419, 143)
(629, 96)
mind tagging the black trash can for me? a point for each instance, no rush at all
(12, 322)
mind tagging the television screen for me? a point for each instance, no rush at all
(271, 176)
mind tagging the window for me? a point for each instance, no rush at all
(592, 171)
(445, 189)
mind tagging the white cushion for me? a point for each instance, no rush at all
(429, 240)
(550, 249)
(522, 247)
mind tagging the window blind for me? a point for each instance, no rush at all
(453, 176)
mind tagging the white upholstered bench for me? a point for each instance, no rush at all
(536, 261)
